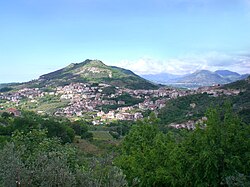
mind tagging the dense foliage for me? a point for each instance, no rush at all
(179, 110)
(56, 127)
(119, 129)
(109, 90)
(33, 159)
(5, 89)
(35, 151)
(214, 154)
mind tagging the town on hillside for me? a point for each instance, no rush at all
(101, 102)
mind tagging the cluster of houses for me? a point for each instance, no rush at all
(84, 98)
(190, 124)
(216, 91)
(22, 93)
(114, 115)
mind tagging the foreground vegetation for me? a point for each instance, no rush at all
(43, 151)
(214, 154)
(46, 151)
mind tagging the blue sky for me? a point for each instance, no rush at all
(149, 36)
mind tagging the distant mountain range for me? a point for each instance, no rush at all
(92, 71)
(197, 79)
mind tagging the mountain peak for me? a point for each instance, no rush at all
(87, 62)
(93, 62)
(202, 78)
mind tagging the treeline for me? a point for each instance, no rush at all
(56, 127)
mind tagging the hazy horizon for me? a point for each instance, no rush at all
(147, 37)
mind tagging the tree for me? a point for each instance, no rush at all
(216, 153)
(101, 172)
(143, 152)
(6, 115)
(109, 90)
(32, 159)
(59, 129)
(81, 129)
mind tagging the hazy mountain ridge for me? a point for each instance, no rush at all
(203, 77)
(197, 79)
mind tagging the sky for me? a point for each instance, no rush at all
(145, 36)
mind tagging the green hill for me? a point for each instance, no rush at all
(94, 71)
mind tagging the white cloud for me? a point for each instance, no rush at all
(189, 63)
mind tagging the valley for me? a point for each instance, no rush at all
(77, 122)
